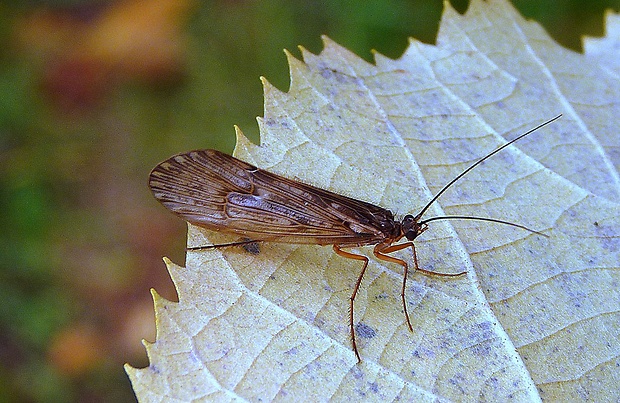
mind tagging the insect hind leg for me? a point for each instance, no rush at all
(364, 259)
(222, 245)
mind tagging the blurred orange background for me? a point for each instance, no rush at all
(92, 96)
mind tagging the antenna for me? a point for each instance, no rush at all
(465, 172)
(495, 220)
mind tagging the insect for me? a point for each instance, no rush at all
(218, 192)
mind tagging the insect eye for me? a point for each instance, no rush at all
(407, 223)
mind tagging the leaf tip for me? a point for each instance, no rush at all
(241, 140)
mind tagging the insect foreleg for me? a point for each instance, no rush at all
(380, 252)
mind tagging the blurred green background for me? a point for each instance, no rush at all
(92, 96)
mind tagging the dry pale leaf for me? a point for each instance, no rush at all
(535, 318)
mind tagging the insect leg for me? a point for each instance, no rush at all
(364, 259)
(222, 245)
(380, 252)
